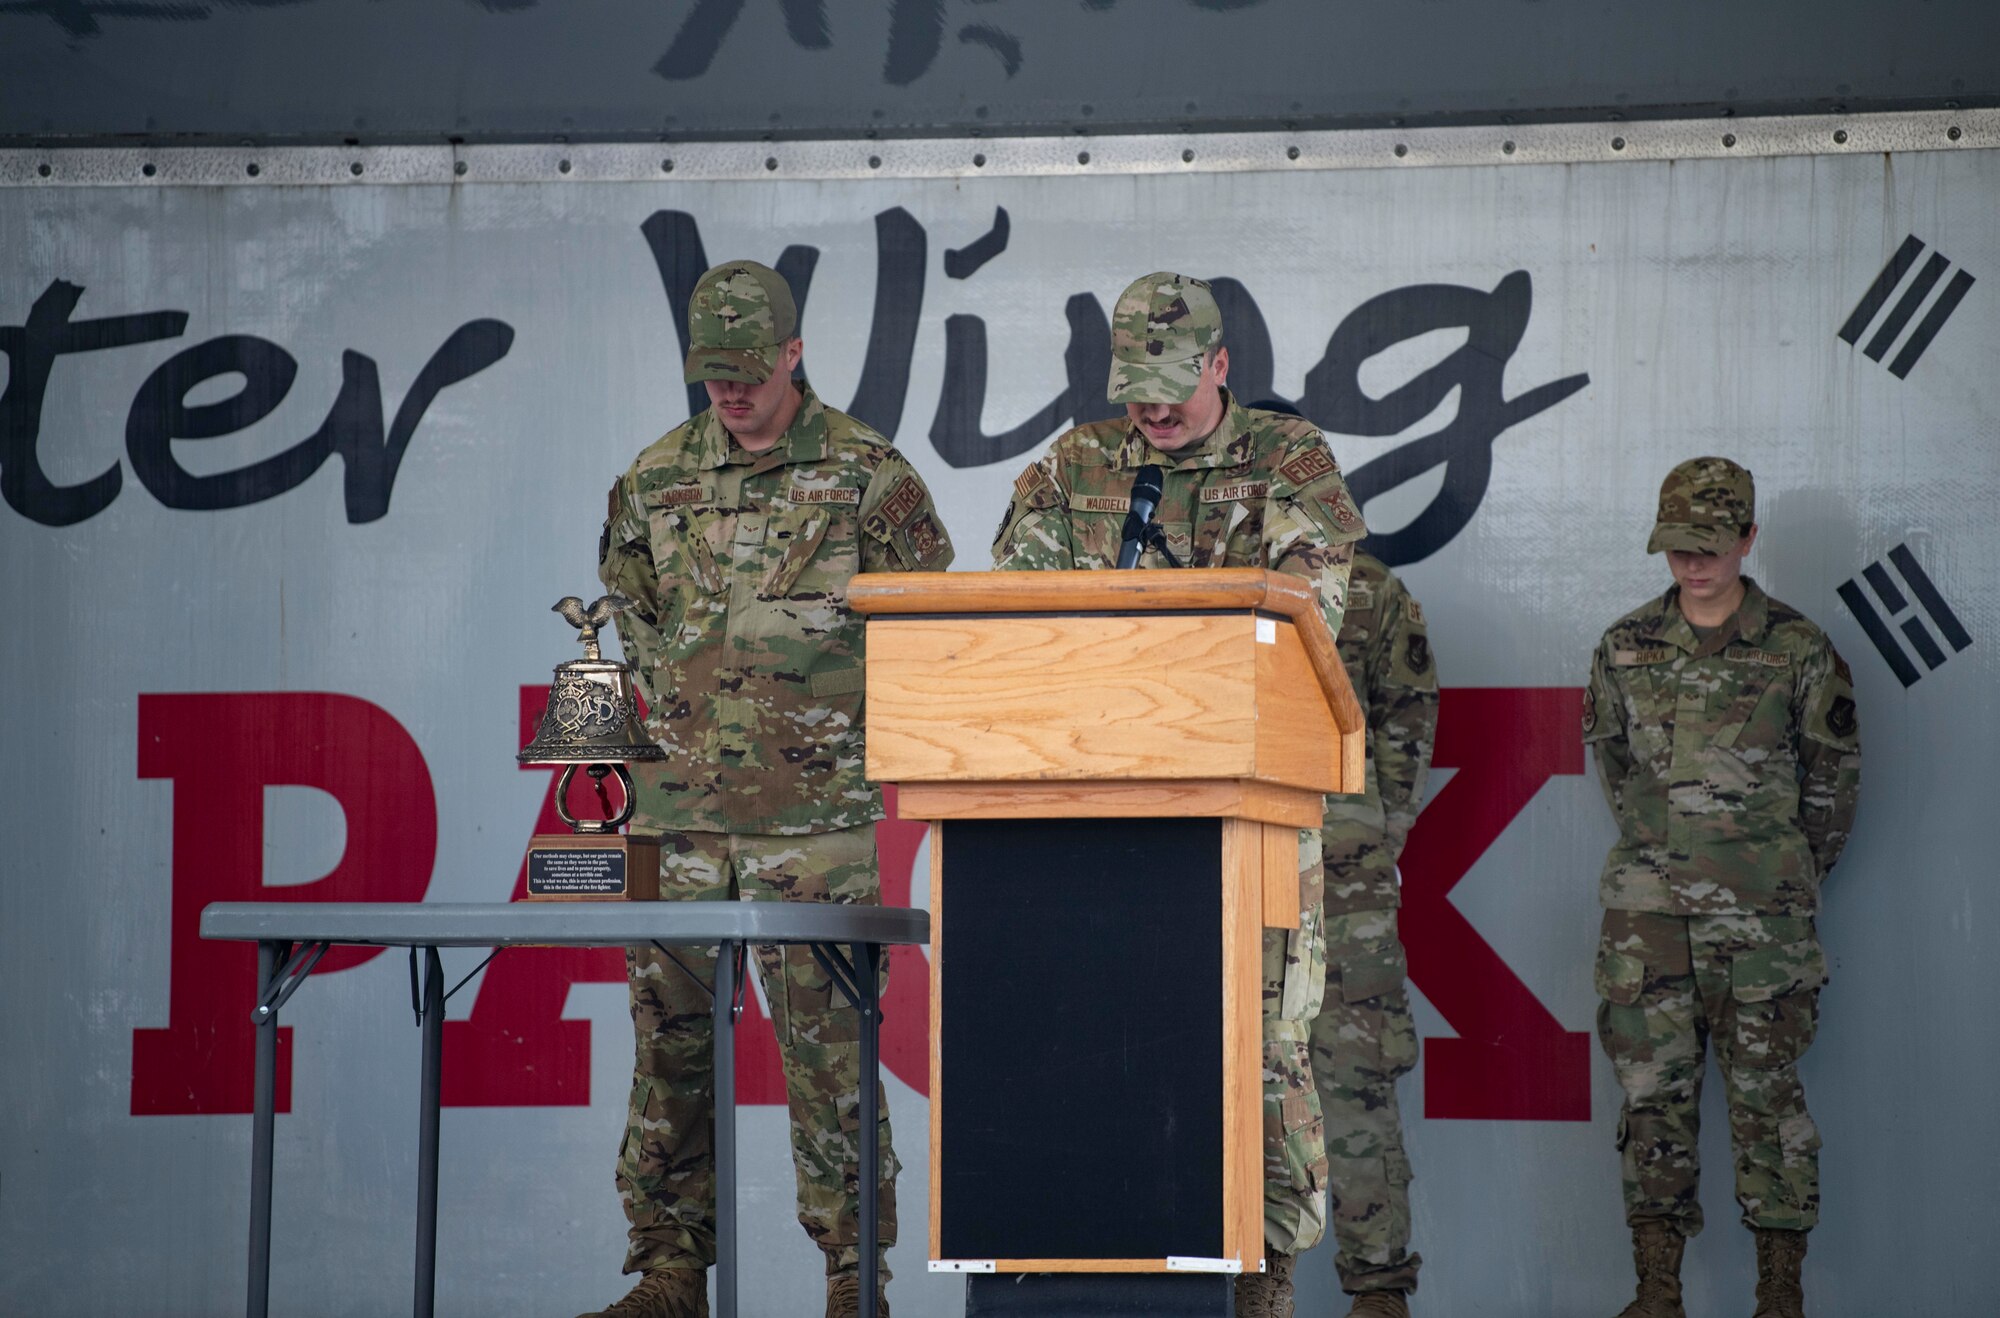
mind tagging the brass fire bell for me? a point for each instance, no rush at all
(591, 720)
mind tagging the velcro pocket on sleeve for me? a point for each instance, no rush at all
(838, 681)
(1331, 512)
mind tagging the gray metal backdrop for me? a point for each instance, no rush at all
(326, 70)
(292, 474)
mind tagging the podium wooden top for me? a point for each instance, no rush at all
(1138, 590)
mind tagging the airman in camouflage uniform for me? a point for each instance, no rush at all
(1241, 488)
(1364, 1039)
(735, 536)
(1724, 727)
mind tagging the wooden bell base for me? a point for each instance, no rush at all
(593, 867)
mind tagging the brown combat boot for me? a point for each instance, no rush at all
(1780, 1256)
(663, 1293)
(1266, 1294)
(1380, 1304)
(1656, 1252)
(843, 1295)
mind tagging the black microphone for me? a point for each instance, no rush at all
(1139, 513)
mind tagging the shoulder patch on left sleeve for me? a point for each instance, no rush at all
(926, 539)
(1308, 467)
(903, 501)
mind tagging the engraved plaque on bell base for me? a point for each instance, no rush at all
(584, 867)
(592, 723)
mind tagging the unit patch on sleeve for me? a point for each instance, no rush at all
(924, 538)
(903, 501)
(1035, 488)
(1308, 467)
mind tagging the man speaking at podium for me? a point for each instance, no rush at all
(735, 536)
(1229, 486)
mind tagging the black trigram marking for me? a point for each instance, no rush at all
(1906, 306)
(1893, 599)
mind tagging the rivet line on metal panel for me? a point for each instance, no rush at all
(925, 158)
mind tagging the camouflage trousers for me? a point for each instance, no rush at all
(666, 1163)
(1362, 1043)
(1294, 1134)
(1751, 984)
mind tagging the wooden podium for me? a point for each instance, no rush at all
(1118, 764)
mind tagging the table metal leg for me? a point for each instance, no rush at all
(868, 962)
(427, 1134)
(725, 1130)
(263, 1129)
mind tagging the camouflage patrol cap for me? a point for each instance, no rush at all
(1161, 327)
(1704, 505)
(739, 315)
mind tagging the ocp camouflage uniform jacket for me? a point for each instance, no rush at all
(1387, 652)
(1262, 491)
(1733, 766)
(749, 659)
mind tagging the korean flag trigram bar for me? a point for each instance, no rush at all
(1879, 631)
(1907, 305)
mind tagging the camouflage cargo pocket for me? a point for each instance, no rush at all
(1776, 991)
(1372, 972)
(639, 1150)
(1297, 1137)
(1620, 980)
(1399, 1035)
(1620, 977)
(1379, 1038)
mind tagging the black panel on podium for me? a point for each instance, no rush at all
(1080, 1043)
